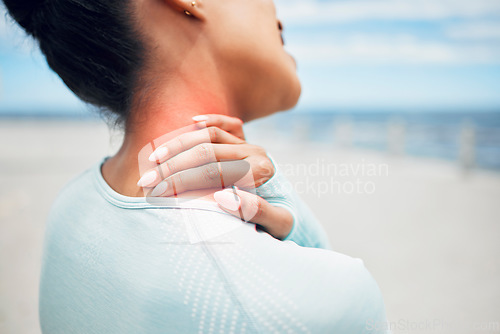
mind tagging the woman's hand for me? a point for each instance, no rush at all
(214, 156)
(217, 156)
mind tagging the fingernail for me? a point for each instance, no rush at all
(159, 189)
(159, 154)
(147, 178)
(228, 200)
(200, 118)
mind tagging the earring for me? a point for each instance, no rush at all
(187, 12)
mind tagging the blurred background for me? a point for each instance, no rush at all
(395, 144)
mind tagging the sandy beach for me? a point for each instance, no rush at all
(427, 231)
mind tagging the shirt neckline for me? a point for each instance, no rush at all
(127, 202)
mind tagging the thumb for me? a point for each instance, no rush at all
(248, 207)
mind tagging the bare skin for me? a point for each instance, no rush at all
(225, 58)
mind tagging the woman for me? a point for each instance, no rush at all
(146, 241)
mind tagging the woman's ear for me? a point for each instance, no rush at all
(191, 8)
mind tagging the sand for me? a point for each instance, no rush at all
(427, 231)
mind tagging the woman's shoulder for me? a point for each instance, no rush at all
(79, 187)
(79, 199)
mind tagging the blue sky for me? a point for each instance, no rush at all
(398, 55)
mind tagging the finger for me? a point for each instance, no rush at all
(201, 154)
(188, 140)
(276, 221)
(230, 124)
(216, 175)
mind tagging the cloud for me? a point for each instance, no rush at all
(368, 49)
(321, 12)
(476, 30)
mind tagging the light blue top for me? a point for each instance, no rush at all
(117, 264)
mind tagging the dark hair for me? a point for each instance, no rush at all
(91, 44)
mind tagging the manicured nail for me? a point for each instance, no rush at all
(147, 178)
(200, 118)
(159, 189)
(227, 200)
(159, 154)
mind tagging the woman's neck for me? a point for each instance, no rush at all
(154, 116)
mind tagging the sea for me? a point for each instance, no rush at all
(442, 135)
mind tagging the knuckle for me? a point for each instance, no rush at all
(203, 152)
(261, 164)
(212, 132)
(179, 143)
(266, 165)
(177, 180)
(259, 168)
(170, 166)
(211, 172)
